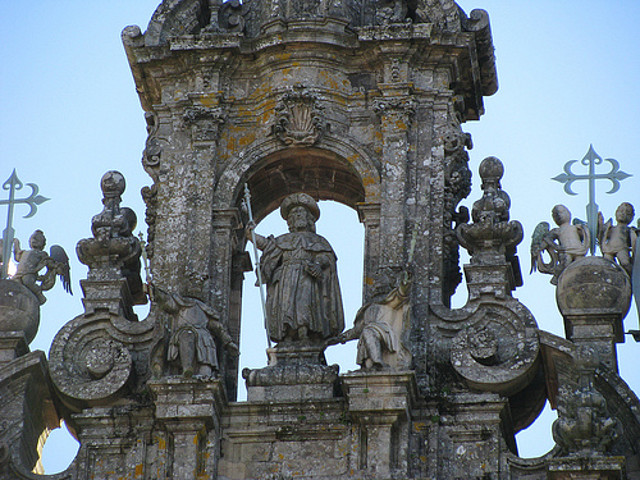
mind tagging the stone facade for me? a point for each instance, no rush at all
(361, 102)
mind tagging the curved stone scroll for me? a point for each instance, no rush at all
(97, 358)
(498, 351)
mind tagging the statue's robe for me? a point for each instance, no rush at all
(294, 297)
(192, 316)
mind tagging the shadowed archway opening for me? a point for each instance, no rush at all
(319, 173)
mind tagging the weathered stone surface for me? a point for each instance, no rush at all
(361, 102)
(594, 285)
(19, 309)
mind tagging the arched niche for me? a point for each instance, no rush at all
(333, 171)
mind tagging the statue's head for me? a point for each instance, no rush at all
(37, 241)
(560, 214)
(625, 213)
(300, 211)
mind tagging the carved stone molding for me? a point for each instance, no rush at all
(204, 122)
(299, 118)
(404, 106)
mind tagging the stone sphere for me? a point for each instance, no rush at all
(594, 285)
(112, 184)
(19, 309)
(491, 168)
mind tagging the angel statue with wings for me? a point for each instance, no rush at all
(32, 261)
(564, 244)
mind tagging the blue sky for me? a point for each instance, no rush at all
(569, 74)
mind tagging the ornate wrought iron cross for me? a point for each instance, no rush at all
(591, 160)
(33, 200)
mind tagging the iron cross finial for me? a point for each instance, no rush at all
(615, 176)
(12, 184)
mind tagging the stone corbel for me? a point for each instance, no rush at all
(205, 122)
(396, 112)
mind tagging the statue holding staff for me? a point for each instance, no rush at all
(299, 268)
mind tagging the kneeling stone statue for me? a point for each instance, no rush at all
(378, 327)
(192, 339)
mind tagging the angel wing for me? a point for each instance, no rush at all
(63, 269)
(603, 228)
(538, 244)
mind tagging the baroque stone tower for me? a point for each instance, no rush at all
(357, 101)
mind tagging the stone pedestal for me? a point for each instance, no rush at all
(110, 294)
(475, 429)
(12, 346)
(380, 403)
(586, 468)
(594, 295)
(189, 410)
(295, 373)
(111, 442)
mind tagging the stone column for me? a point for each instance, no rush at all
(395, 108)
(190, 410)
(475, 434)
(223, 246)
(111, 439)
(369, 215)
(381, 403)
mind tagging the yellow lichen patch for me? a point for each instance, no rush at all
(281, 456)
(246, 140)
(423, 459)
(419, 426)
(401, 125)
(378, 135)
(353, 158)
(139, 470)
(368, 281)
(209, 100)
(162, 443)
(283, 56)
(329, 80)
(366, 181)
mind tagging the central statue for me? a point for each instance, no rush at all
(299, 268)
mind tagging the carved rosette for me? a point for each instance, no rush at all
(498, 351)
(96, 358)
(299, 118)
(204, 122)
